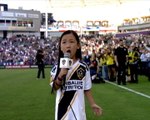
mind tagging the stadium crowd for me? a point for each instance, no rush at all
(21, 50)
(103, 47)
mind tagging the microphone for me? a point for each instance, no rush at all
(66, 62)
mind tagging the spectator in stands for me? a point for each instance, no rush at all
(144, 62)
(94, 68)
(148, 64)
(103, 65)
(86, 58)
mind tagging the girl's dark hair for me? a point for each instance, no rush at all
(61, 55)
(78, 53)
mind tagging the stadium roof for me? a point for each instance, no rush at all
(88, 9)
(98, 9)
(88, 3)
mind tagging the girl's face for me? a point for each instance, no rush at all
(69, 43)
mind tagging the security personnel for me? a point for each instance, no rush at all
(133, 60)
(121, 54)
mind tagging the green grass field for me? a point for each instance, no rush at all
(22, 97)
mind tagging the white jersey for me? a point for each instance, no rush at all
(70, 103)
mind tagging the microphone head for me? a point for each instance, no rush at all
(66, 62)
(67, 55)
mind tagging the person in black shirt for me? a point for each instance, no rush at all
(121, 53)
(40, 63)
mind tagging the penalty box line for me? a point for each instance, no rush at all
(128, 89)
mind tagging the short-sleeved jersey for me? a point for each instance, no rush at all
(70, 104)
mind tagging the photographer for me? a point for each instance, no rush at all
(40, 63)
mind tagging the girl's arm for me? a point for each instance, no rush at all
(96, 109)
(58, 82)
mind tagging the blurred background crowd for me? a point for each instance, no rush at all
(21, 50)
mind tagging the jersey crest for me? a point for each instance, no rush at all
(80, 73)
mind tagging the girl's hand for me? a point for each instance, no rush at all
(63, 72)
(97, 109)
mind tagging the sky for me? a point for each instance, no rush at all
(110, 12)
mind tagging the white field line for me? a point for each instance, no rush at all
(128, 89)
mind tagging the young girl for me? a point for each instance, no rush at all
(71, 84)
